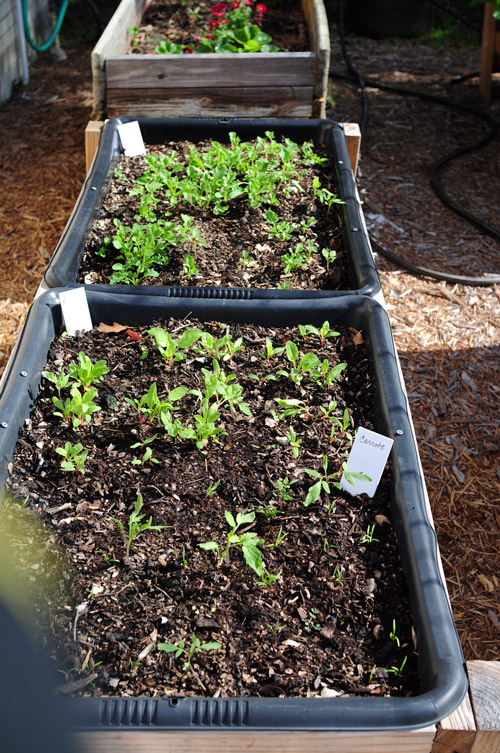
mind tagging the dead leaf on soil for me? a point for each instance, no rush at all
(486, 582)
(115, 327)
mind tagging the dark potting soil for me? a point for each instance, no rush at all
(176, 22)
(335, 620)
(238, 249)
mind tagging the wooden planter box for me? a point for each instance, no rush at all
(280, 84)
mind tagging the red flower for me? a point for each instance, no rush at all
(260, 8)
(248, 2)
(213, 24)
(236, 4)
(187, 50)
(209, 36)
(219, 8)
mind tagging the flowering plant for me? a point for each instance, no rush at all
(235, 27)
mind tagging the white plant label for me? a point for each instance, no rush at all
(368, 455)
(131, 138)
(75, 310)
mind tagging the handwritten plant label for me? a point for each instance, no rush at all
(75, 310)
(131, 139)
(368, 455)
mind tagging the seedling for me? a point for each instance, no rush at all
(75, 457)
(189, 266)
(397, 671)
(196, 647)
(274, 629)
(249, 542)
(368, 538)
(135, 527)
(151, 407)
(322, 333)
(325, 479)
(271, 351)
(279, 539)
(60, 381)
(330, 255)
(324, 195)
(352, 476)
(86, 372)
(291, 409)
(269, 510)
(393, 636)
(307, 364)
(311, 620)
(211, 490)
(246, 258)
(293, 441)
(79, 408)
(284, 489)
(338, 575)
(170, 349)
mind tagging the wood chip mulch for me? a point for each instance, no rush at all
(448, 336)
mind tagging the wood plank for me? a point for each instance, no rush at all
(113, 41)
(352, 133)
(92, 136)
(456, 733)
(487, 51)
(319, 35)
(222, 70)
(260, 102)
(417, 741)
(484, 679)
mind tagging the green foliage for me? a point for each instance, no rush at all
(75, 457)
(85, 372)
(181, 649)
(134, 525)
(77, 409)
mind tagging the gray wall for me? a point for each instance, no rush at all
(10, 41)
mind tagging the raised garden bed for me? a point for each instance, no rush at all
(241, 249)
(174, 492)
(281, 84)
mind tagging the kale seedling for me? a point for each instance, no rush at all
(135, 527)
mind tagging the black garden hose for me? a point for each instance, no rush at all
(493, 128)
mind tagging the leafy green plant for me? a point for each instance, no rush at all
(307, 364)
(212, 490)
(310, 620)
(293, 441)
(75, 457)
(246, 258)
(248, 542)
(151, 407)
(181, 649)
(397, 671)
(85, 372)
(338, 575)
(189, 266)
(284, 488)
(60, 382)
(135, 526)
(326, 480)
(322, 333)
(170, 349)
(77, 409)
(324, 195)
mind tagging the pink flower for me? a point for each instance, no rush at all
(235, 4)
(260, 8)
(248, 2)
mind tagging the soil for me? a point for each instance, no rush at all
(168, 19)
(447, 335)
(230, 238)
(327, 624)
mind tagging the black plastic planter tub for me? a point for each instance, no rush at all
(64, 266)
(440, 661)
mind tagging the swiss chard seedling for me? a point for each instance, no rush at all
(135, 526)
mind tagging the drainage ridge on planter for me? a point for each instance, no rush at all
(440, 661)
(63, 268)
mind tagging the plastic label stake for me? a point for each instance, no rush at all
(75, 310)
(131, 139)
(368, 455)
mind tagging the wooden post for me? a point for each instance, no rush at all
(353, 138)
(475, 726)
(92, 136)
(490, 49)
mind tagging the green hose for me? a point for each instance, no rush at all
(55, 32)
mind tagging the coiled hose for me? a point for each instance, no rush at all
(50, 41)
(493, 128)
